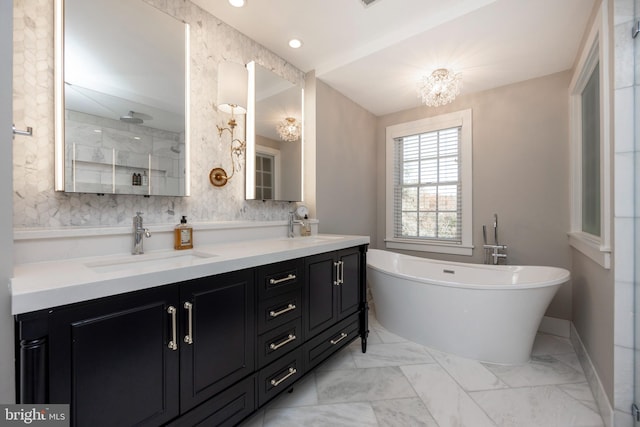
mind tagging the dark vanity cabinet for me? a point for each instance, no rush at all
(217, 338)
(206, 351)
(335, 303)
(279, 327)
(334, 290)
(111, 361)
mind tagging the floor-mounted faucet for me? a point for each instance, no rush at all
(139, 232)
(493, 254)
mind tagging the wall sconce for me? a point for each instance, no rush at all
(232, 99)
(289, 129)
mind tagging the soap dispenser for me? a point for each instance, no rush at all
(306, 226)
(183, 235)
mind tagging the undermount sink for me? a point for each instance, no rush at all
(163, 260)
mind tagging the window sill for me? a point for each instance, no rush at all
(590, 246)
(441, 248)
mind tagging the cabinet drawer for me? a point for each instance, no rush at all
(279, 278)
(278, 376)
(277, 311)
(328, 342)
(279, 341)
(227, 408)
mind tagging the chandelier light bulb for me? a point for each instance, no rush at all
(439, 88)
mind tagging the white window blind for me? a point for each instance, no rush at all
(428, 187)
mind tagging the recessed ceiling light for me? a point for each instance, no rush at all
(237, 3)
(295, 43)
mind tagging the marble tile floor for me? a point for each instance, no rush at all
(398, 383)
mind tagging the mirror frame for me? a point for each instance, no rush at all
(59, 107)
(250, 148)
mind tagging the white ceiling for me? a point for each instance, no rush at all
(375, 54)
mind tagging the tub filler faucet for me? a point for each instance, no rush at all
(139, 232)
(496, 253)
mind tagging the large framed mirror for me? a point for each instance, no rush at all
(275, 137)
(121, 99)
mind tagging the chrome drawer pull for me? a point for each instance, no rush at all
(173, 344)
(284, 279)
(287, 340)
(342, 336)
(283, 311)
(276, 383)
(189, 337)
(339, 265)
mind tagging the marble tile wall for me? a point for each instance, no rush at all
(36, 205)
(625, 211)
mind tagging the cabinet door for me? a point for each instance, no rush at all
(319, 293)
(350, 289)
(222, 350)
(111, 361)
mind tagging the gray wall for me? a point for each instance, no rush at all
(593, 318)
(7, 394)
(520, 172)
(345, 164)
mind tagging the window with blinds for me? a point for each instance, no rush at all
(427, 186)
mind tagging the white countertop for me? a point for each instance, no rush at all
(42, 285)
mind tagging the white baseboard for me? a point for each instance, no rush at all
(555, 326)
(606, 410)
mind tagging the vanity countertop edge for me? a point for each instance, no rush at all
(42, 285)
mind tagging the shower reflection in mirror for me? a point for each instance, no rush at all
(121, 99)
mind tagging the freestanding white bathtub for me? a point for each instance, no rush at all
(483, 312)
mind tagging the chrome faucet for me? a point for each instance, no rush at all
(292, 221)
(138, 233)
(496, 252)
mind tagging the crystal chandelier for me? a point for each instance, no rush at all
(440, 88)
(289, 129)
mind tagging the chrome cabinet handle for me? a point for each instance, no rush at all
(287, 309)
(336, 341)
(339, 265)
(276, 383)
(189, 337)
(173, 344)
(287, 340)
(284, 279)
